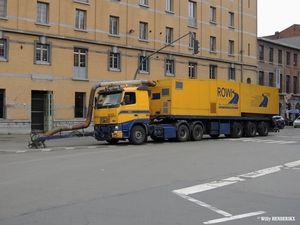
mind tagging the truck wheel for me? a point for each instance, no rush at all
(197, 132)
(138, 135)
(263, 129)
(250, 129)
(237, 130)
(182, 133)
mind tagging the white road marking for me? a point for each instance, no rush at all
(255, 140)
(206, 205)
(235, 217)
(184, 192)
(70, 148)
(21, 151)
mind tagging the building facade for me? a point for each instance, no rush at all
(52, 52)
(278, 65)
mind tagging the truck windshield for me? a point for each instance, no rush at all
(108, 100)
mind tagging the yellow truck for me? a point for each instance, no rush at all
(183, 109)
(174, 109)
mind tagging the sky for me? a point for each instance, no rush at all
(276, 15)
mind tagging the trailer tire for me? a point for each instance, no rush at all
(237, 130)
(197, 133)
(263, 129)
(138, 135)
(183, 133)
(250, 129)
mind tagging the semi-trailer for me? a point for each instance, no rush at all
(175, 109)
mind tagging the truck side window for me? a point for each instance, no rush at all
(129, 98)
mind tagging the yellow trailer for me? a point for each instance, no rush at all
(212, 98)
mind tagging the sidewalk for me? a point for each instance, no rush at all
(11, 143)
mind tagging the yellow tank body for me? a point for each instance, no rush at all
(211, 98)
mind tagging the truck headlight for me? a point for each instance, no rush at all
(116, 127)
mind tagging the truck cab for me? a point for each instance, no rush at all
(122, 113)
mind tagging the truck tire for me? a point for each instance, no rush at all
(197, 133)
(138, 135)
(250, 129)
(183, 133)
(237, 130)
(263, 129)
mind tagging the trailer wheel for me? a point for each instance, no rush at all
(263, 129)
(237, 130)
(182, 133)
(197, 132)
(138, 135)
(250, 129)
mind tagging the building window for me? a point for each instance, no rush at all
(144, 2)
(80, 108)
(143, 31)
(288, 58)
(231, 72)
(42, 53)
(192, 37)
(3, 48)
(231, 19)
(287, 84)
(271, 55)
(113, 25)
(295, 81)
(212, 15)
(231, 47)
(2, 111)
(2, 8)
(169, 35)
(192, 6)
(42, 13)
(280, 57)
(170, 67)
(295, 60)
(261, 78)
(212, 72)
(261, 52)
(144, 64)
(80, 57)
(271, 79)
(212, 47)
(192, 70)
(80, 19)
(114, 61)
(169, 5)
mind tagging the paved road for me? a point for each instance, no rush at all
(225, 181)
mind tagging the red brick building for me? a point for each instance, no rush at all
(278, 65)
